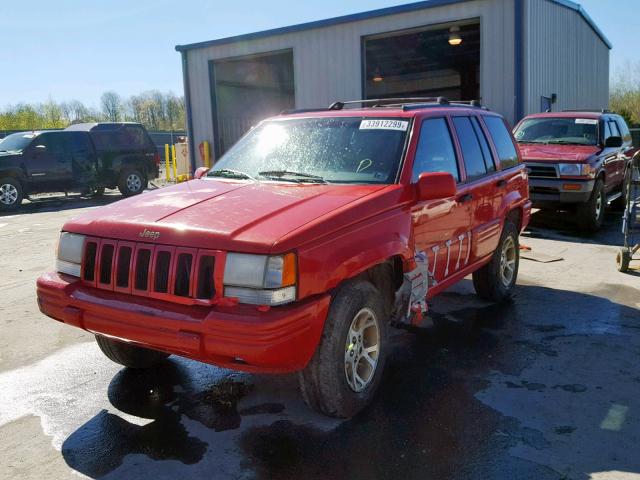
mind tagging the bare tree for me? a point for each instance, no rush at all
(111, 106)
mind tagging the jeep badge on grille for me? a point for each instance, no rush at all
(149, 234)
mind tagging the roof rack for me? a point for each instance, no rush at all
(588, 110)
(407, 103)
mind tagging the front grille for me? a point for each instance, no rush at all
(542, 171)
(181, 275)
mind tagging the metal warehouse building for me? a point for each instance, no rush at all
(517, 56)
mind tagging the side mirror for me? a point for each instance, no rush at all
(200, 172)
(432, 186)
(613, 142)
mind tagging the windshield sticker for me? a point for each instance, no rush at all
(586, 121)
(398, 125)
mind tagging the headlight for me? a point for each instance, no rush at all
(69, 257)
(260, 279)
(576, 170)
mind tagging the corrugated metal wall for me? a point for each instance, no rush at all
(563, 55)
(328, 63)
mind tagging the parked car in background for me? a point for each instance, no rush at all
(87, 157)
(576, 161)
(310, 238)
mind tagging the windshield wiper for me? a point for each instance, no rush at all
(228, 173)
(565, 142)
(279, 174)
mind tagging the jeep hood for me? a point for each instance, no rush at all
(557, 153)
(215, 214)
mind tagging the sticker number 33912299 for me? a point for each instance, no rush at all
(384, 124)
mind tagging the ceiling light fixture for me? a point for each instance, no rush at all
(454, 36)
(377, 76)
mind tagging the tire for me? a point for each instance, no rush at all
(496, 280)
(129, 355)
(132, 182)
(11, 194)
(591, 214)
(327, 383)
(623, 259)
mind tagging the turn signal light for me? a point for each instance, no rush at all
(289, 270)
(574, 187)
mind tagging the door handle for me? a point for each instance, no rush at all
(467, 197)
(501, 183)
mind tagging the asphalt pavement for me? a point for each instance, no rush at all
(544, 387)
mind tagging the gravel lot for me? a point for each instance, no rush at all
(544, 387)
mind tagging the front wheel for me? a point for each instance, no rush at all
(497, 279)
(132, 182)
(591, 214)
(129, 355)
(11, 194)
(345, 371)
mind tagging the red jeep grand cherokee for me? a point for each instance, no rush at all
(576, 160)
(306, 242)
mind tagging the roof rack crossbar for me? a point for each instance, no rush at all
(379, 102)
(588, 110)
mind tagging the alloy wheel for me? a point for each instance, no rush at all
(362, 350)
(8, 194)
(508, 261)
(134, 182)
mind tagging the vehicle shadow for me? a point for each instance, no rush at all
(61, 203)
(427, 420)
(563, 226)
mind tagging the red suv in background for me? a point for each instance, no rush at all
(576, 161)
(310, 238)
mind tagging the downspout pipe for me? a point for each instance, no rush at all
(187, 110)
(519, 26)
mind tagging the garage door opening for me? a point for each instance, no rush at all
(440, 60)
(249, 89)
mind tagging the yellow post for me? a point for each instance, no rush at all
(207, 155)
(167, 171)
(175, 167)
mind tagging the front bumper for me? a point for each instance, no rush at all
(278, 340)
(550, 192)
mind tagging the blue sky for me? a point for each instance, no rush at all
(77, 49)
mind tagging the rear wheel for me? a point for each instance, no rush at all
(129, 355)
(132, 182)
(11, 194)
(591, 214)
(345, 371)
(496, 280)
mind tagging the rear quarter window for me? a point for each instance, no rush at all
(505, 148)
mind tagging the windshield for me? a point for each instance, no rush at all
(574, 131)
(334, 150)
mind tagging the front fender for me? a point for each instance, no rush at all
(345, 255)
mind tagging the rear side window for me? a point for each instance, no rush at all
(484, 145)
(471, 151)
(79, 144)
(435, 152)
(507, 153)
(614, 129)
(134, 136)
(624, 130)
